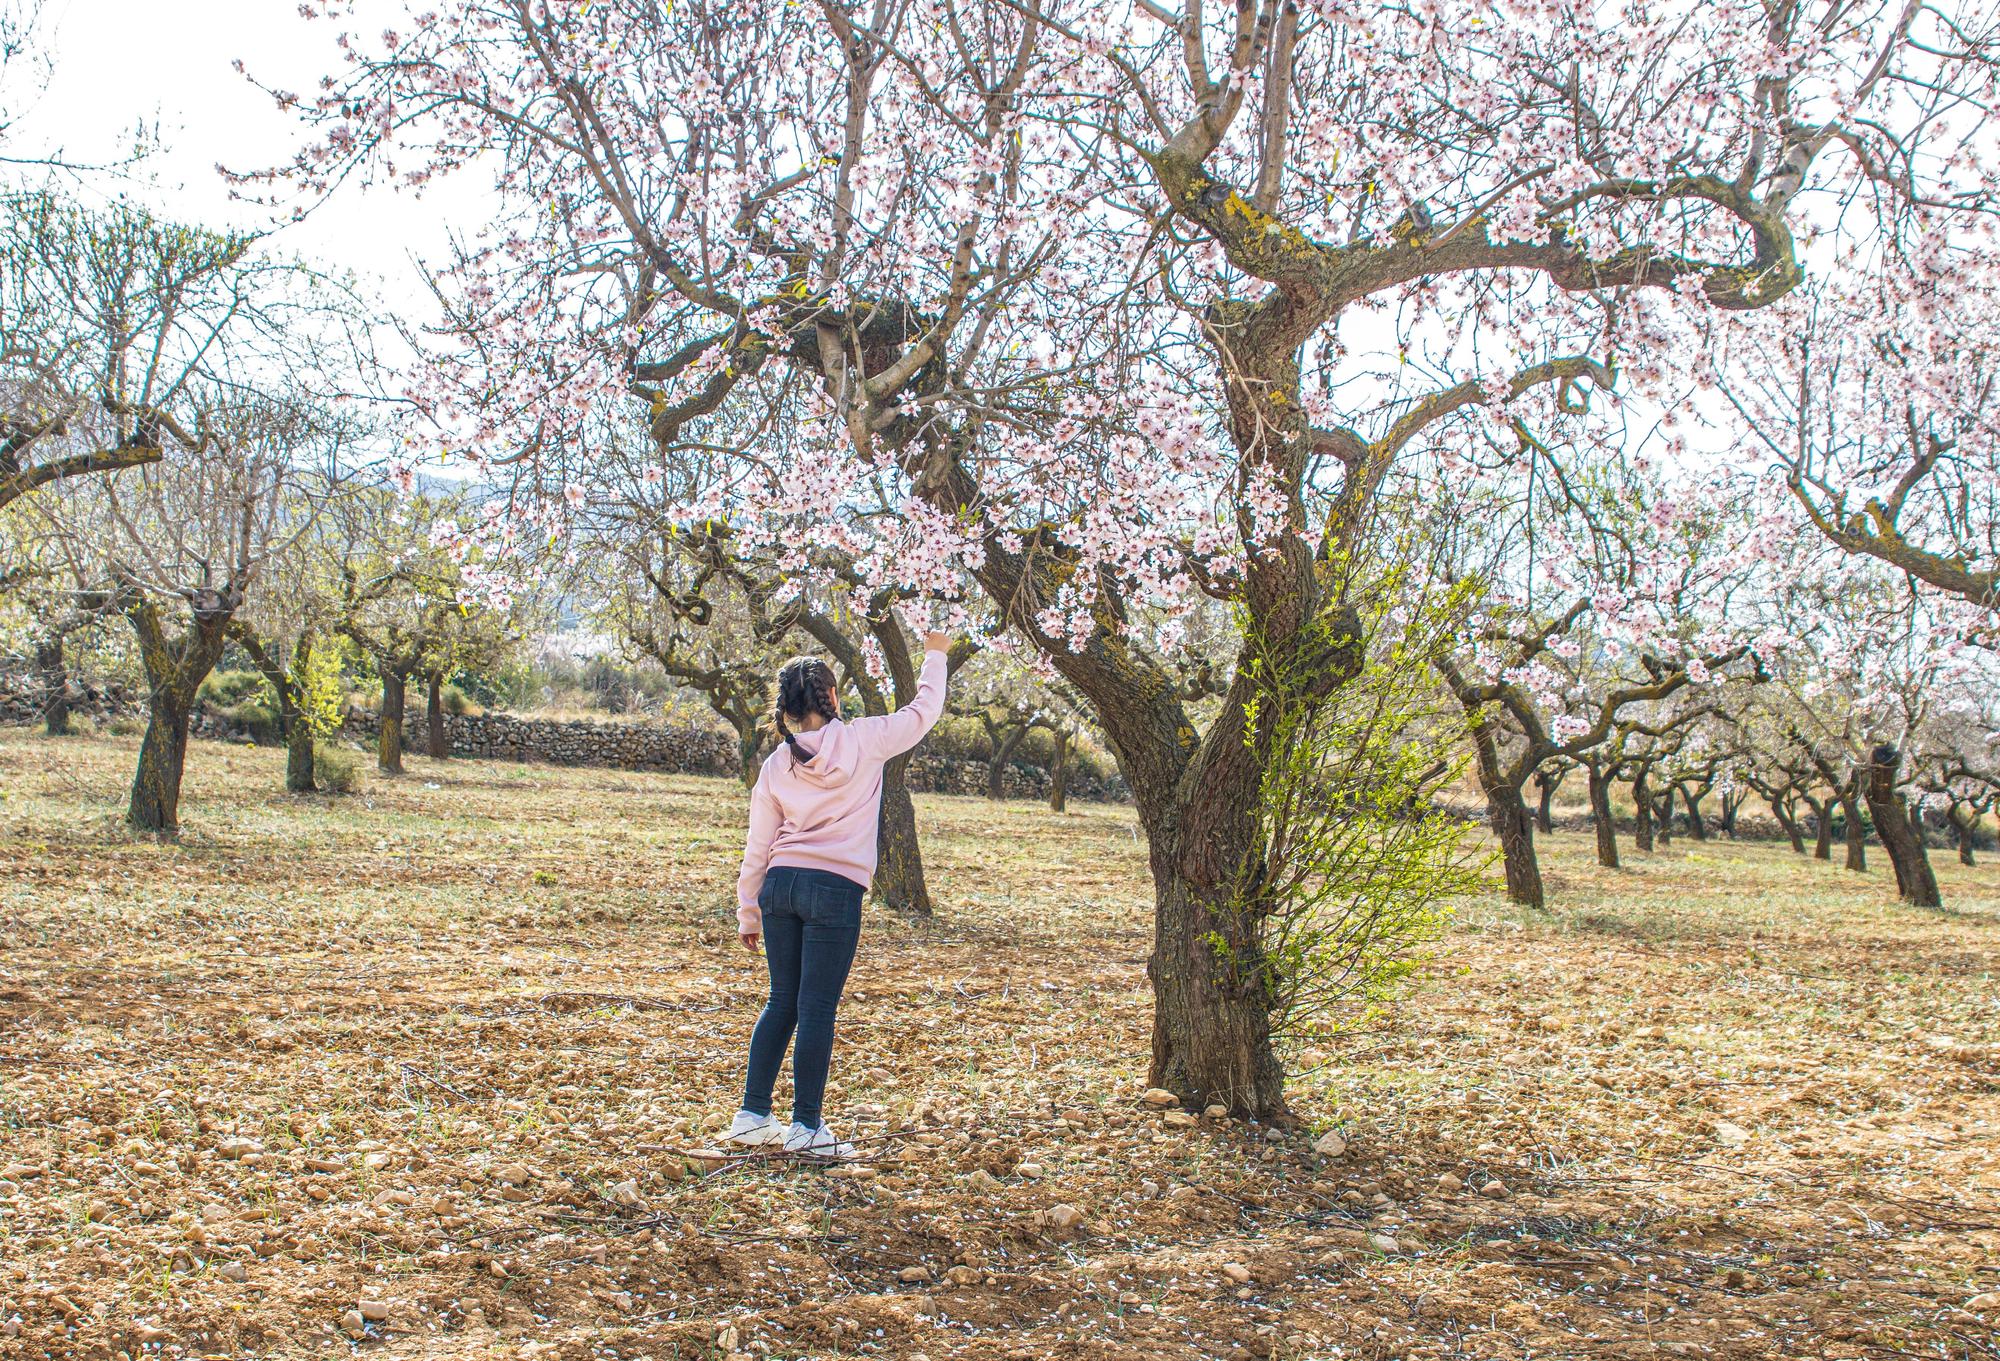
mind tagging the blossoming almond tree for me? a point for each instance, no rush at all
(1603, 601)
(1130, 305)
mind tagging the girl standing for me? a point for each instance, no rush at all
(808, 860)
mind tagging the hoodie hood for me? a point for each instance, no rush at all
(836, 757)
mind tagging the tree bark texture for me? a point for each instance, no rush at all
(55, 686)
(1059, 774)
(899, 867)
(1601, 819)
(1857, 831)
(1507, 813)
(1915, 881)
(1642, 818)
(389, 742)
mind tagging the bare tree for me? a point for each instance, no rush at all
(176, 548)
(107, 321)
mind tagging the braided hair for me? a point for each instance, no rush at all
(805, 686)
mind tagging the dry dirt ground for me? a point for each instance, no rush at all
(412, 1074)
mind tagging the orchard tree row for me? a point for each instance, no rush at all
(1330, 403)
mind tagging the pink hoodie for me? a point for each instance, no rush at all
(823, 814)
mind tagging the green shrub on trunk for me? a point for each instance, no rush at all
(336, 770)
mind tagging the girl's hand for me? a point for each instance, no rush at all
(752, 940)
(937, 642)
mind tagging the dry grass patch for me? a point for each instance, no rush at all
(414, 1073)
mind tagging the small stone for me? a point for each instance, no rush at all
(1274, 1135)
(1030, 1169)
(1161, 1097)
(1384, 1244)
(1149, 1189)
(1062, 1217)
(910, 1275)
(1494, 1190)
(234, 1271)
(1236, 1272)
(326, 1167)
(20, 1172)
(981, 1181)
(237, 1148)
(1128, 1298)
(1731, 1135)
(1985, 1303)
(726, 1337)
(962, 1275)
(514, 1174)
(353, 1324)
(1450, 1183)
(143, 1333)
(1178, 1120)
(1217, 1112)
(375, 1311)
(625, 1195)
(1330, 1144)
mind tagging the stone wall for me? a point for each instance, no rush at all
(670, 748)
(685, 750)
(673, 748)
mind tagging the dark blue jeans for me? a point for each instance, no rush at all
(812, 922)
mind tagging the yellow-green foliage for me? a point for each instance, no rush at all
(1356, 866)
(318, 689)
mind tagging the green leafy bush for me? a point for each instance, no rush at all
(227, 689)
(1358, 864)
(257, 718)
(336, 770)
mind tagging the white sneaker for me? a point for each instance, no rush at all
(750, 1130)
(817, 1143)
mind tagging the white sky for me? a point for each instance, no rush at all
(120, 63)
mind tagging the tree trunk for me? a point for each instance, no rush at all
(1697, 827)
(1507, 813)
(292, 725)
(1545, 789)
(996, 769)
(1822, 827)
(55, 684)
(1964, 826)
(1663, 816)
(1211, 1027)
(1730, 803)
(899, 866)
(1857, 834)
(749, 750)
(1059, 775)
(1642, 817)
(156, 788)
(1790, 824)
(1600, 818)
(1915, 880)
(389, 744)
(440, 743)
